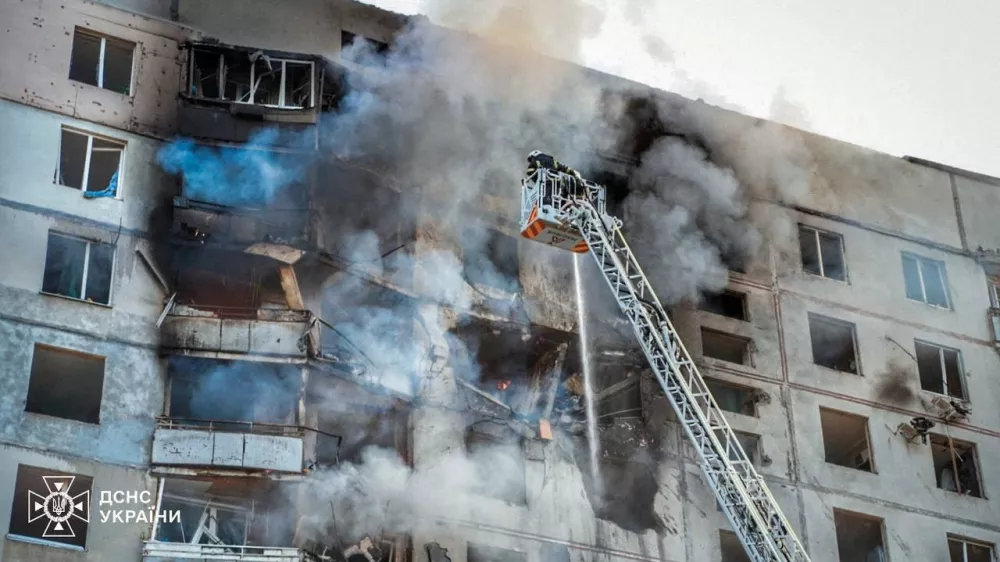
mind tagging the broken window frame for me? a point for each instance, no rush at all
(941, 350)
(939, 440)
(966, 542)
(213, 506)
(922, 263)
(86, 270)
(747, 346)
(254, 83)
(815, 233)
(812, 316)
(88, 156)
(77, 31)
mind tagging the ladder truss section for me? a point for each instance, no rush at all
(744, 497)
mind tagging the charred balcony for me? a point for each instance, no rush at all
(239, 418)
(224, 519)
(237, 305)
(239, 333)
(230, 93)
(288, 231)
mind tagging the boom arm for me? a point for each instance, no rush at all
(745, 499)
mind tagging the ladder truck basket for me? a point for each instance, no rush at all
(549, 202)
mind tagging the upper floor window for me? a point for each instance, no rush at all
(926, 280)
(78, 269)
(347, 39)
(940, 369)
(88, 163)
(727, 303)
(102, 61)
(252, 78)
(834, 344)
(822, 253)
(726, 347)
(966, 550)
(956, 465)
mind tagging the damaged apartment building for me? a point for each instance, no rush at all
(299, 354)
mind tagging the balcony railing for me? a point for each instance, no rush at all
(208, 223)
(239, 445)
(156, 551)
(237, 333)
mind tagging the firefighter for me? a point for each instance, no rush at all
(538, 159)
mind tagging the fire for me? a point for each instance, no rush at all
(503, 385)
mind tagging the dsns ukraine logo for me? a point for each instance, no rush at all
(58, 506)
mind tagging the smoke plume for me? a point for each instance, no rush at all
(452, 119)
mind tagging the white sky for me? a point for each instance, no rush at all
(907, 77)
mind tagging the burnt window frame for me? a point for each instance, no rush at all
(88, 157)
(942, 440)
(86, 269)
(748, 346)
(223, 67)
(829, 320)
(816, 233)
(990, 548)
(942, 271)
(101, 60)
(869, 446)
(744, 306)
(960, 365)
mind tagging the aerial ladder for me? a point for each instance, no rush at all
(563, 210)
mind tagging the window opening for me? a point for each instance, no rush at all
(822, 253)
(966, 550)
(727, 303)
(732, 548)
(940, 369)
(78, 269)
(89, 163)
(733, 398)
(65, 383)
(101, 61)
(725, 347)
(256, 79)
(859, 537)
(833, 344)
(926, 280)
(845, 440)
(952, 457)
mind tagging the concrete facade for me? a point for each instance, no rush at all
(881, 207)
